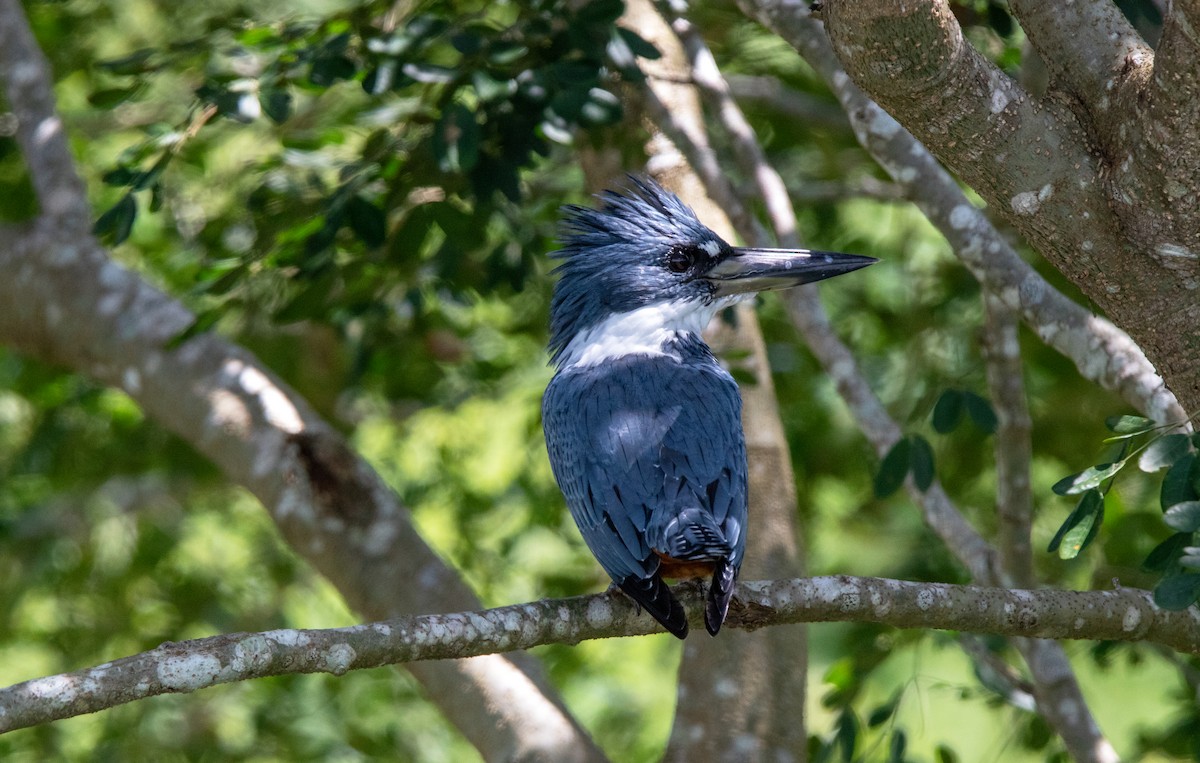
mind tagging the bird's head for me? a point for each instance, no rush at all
(644, 260)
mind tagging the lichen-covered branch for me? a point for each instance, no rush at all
(1114, 217)
(1102, 352)
(1124, 615)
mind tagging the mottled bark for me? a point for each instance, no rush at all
(741, 695)
(1099, 175)
(180, 667)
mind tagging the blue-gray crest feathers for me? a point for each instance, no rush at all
(613, 258)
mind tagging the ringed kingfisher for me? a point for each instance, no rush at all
(642, 424)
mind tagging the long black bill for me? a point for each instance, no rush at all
(750, 270)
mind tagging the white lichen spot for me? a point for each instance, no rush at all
(907, 175)
(1131, 620)
(339, 658)
(132, 381)
(250, 653)
(58, 689)
(883, 125)
(1025, 203)
(961, 216)
(288, 638)
(188, 673)
(725, 688)
(276, 406)
(924, 599)
(1079, 623)
(1086, 245)
(1175, 251)
(228, 413)
(110, 304)
(840, 80)
(383, 629)
(599, 612)
(999, 100)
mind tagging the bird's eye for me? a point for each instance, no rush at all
(680, 259)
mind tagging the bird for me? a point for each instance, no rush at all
(642, 423)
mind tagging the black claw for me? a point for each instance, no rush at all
(652, 594)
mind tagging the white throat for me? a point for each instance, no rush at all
(645, 331)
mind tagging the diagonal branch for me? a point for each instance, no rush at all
(1091, 51)
(1125, 614)
(1102, 352)
(25, 74)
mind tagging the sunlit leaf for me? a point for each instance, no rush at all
(1080, 527)
(1183, 517)
(1087, 479)
(1129, 425)
(1163, 452)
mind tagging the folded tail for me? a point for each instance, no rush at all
(719, 595)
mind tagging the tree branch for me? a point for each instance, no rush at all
(67, 303)
(1124, 615)
(1102, 352)
(25, 74)
(1104, 220)
(1091, 51)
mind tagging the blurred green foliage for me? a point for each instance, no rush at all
(366, 200)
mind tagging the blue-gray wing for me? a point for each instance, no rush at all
(650, 455)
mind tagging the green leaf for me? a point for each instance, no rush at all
(367, 221)
(456, 139)
(203, 322)
(947, 411)
(639, 45)
(847, 734)
(601, 12)
(898, 745)
(1183, 517)
(1129, 425)
(1080, 528)
(921, 462)
(881, 714)
(1164, 451)
(137, 62)
(114, 226)
(110, 97)
(980, 411)
(893, 468)
(327, 70)
(1087, 479)
(309, 303)
(944, 754)
(1177, 592)
(1190, 557)
(1163, 556)
(276, 104)
(1177, 484)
